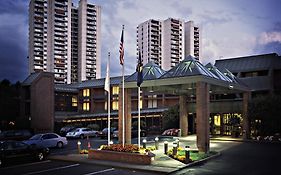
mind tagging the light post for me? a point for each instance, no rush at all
(187, 154)
(175, 148)
(79, 146)
(156, 143)
(144, 143)
(166, 147)
(178, 142)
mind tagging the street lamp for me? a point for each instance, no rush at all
(187, 154)
(175, 148)
(79, 146)
(166, 147)
(144, 143)
(156, 143)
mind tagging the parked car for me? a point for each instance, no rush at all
(103, 134)
(11, 151)
(47, 140)
(171, 132)
(15, 135)
(134, 133)
(64, 130)
(82, 133)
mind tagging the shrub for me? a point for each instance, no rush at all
(120, 148)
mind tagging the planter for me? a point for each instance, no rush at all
(134, 158)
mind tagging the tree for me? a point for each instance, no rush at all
(171, 118)
(264, 114)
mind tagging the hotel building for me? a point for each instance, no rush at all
(168, 42)
(57, 30)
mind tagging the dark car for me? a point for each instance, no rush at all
(15, 135)
(14, 151)
(134, 133)
(103, 134)
(64, 130)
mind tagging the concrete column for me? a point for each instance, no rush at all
(120, 118)
(222, 124)
(202, 116)
(245, 124)
(183, 115)
(127, 116)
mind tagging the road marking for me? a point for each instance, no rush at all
(26, 164)
(58, 168)
(102, 171)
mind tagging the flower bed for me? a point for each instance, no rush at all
(194, 155)
(116, 152)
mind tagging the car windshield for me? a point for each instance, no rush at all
(36, 137)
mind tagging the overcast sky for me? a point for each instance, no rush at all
(229, 29)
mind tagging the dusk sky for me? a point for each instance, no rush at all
(228, 28)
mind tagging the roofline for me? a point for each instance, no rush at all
(251, 56)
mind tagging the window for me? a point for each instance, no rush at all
(86, 92)
(86, 106)
(115, 105)
(74, 101)
(152, 101)
(115, 90)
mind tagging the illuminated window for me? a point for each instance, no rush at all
(115, 90)
(115, 105)
(74, 101)
(152, 101)
(86, 92)
(86, 106)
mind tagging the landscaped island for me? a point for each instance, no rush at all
(116, 152)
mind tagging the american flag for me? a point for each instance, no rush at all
(121, 49)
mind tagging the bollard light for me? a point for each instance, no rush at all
(156, 143)
(79, 146)
(111, 142)
(178, 142)
(144, 143)
(175, 148)
(166, 147)
(187, 154)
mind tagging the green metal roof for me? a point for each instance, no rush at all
(190, 66)
(150, 71)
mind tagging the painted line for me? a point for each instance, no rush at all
(102, 171)
(26, 164)
(53, 169)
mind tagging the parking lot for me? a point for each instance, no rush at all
(62, 168)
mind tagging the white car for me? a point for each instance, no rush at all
(47, 140)
(81, 133)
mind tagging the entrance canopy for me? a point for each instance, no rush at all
(182, 78)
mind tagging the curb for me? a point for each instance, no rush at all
(197, 162)
(147, 168)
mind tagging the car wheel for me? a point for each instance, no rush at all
(81, 136)
(59, 144)
(40, 156)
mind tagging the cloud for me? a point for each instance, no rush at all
(269, 37)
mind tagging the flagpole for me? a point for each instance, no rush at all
(108, 103)
(139, 117)
(123, 112)
(123, 100)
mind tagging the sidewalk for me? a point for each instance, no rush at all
(161, 163)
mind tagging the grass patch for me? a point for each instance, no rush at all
(194, 155)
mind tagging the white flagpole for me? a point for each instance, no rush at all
(123, 104)
(123, 95)
(139, 129)
(108, 101)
